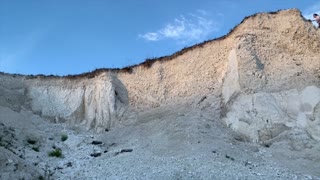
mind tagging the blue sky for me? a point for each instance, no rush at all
(63, 37)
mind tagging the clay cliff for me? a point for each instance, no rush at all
(264, 76)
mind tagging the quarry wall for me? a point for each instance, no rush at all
(97, 103)
(265, 73)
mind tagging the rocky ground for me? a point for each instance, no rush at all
(159, 144)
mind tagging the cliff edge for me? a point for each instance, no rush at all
(264, 77)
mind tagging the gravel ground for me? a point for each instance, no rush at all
(159, 144)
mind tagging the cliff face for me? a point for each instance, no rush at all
(265, 75)
(272, 81)
(96, 103)
(269, 48)
(266, 71)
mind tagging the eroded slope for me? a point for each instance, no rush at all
(266, 56)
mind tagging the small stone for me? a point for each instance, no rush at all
(247, 163)
(10, 160)
(229, 157)
(309, 177)
(69, 164)
(126, 150)
(95, 154)
(312, 118)
(58, 168)
(123, 151)
(96, 142)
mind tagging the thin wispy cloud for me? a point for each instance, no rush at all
(186, 28)
(315, 8)
(151, 36)
(202, 12)
(7, 62)
(11, 57)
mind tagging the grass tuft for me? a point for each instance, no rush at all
(64, 137)
(55, 153)
(35, 148)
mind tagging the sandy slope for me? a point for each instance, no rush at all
(166, 145)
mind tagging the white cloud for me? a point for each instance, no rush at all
(190, 28)
(150, 36)
(174, 30)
